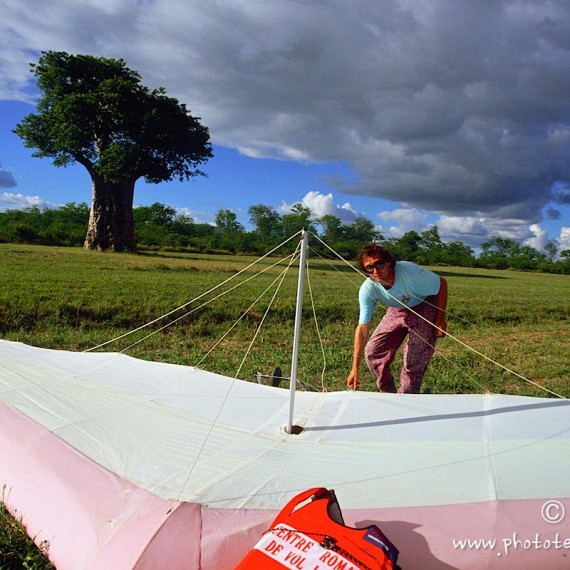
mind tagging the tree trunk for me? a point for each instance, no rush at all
(111, 224)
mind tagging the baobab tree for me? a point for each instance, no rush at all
(94, 111)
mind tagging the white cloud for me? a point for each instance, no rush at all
(322, 204)
(199, 217)
(10, 201)
(564, 238)
(470, 230)
(402, 220)
(507, 228)
(539, 238)
(456, 227)
(185, 212)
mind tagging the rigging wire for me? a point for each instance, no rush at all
(211, 427)
(465, 345)
(364, 275)
(204, 304)
(436, 347)
(293, 258)
(321, 344)
(195, 299)
(479, 353)
(199, 363)
(352, 267)
(470, 377)
(220, 408)
(448, 360)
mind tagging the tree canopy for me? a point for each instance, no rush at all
(94, 111)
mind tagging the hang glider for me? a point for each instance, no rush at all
(122, 463)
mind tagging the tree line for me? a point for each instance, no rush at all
(160, 227)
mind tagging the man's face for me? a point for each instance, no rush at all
(377, 268)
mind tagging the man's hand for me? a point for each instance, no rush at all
(352, 381)
(360, 337)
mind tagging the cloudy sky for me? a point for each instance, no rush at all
(407, 112)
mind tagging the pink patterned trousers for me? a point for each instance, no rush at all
(388, 336)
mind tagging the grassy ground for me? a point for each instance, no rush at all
(71, 299)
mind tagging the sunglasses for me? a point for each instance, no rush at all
(379, 265)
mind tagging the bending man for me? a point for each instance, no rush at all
(401, 286)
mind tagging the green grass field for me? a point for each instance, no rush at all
(71, 299)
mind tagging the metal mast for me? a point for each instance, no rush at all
(298, 314)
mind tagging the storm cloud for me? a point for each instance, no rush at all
(457, 108)
(7, 179)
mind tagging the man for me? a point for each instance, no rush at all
(416, 300)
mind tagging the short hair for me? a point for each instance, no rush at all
(375, 250)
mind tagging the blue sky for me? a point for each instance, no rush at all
(234, 181)
(410, 113)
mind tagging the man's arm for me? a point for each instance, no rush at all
(360, 338)
(441, 302)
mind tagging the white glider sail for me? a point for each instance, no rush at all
(122, 463)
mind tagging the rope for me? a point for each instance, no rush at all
(284, 272)
(226, 395)
(465, 345)
(206, 439)
(203, 304)
(195, 299)
(291, 257)
(241, 317)
(450, 362)
(446, 333)
(364, 275)
(321, 344)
